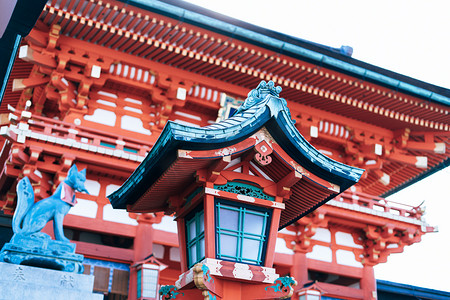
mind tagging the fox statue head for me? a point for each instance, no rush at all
(76, 179)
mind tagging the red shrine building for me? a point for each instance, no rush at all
(96, 83)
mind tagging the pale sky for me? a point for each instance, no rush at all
(408, 37)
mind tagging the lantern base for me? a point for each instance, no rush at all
(231, 270)
(217, 279)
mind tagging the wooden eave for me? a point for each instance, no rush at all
(187, 47)
(21, 69)
(173, 181)
(308, 192)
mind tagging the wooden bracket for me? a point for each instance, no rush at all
(216, 167)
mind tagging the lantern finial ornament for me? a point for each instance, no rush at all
(257, 95)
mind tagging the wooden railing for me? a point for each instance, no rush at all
(380, 204)
(87, 136)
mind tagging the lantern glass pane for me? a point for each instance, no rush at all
(193, 254)
(254, 224)
(229, 219)
(228, 245)
(250, 249)
(313, 297)
(192, 231)
(201, 245)
(202, 222)
(149, 283)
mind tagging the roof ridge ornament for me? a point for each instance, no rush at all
(259, 93)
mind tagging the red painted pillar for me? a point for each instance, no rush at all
(299, 269)
(143, 247)
(368, 283)
(272, 238)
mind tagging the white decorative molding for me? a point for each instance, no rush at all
(245, 198)
(279, 205)
(185, 278)
(214, 266)
(242, 271)
(190, 276)
(211, 191)
(270, 274)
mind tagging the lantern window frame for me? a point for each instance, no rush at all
(198, 240)
(240, 234)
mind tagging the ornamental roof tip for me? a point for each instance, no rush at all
(260, 93)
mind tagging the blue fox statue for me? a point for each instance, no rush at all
(30, 218)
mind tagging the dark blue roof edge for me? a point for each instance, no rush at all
(410, 290)
(418, 178)
(174, 136)
(131, 186)
(293, 46)
(23, 18)
(287, 132)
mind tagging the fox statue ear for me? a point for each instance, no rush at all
(72, 169)
(83, 172)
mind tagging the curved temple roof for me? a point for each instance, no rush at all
(262, 108)
(293, 46)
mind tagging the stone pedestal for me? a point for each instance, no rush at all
(39, 250)
(32, 283)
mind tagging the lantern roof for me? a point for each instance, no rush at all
(169, 166)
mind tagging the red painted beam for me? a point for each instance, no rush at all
(104, 252)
